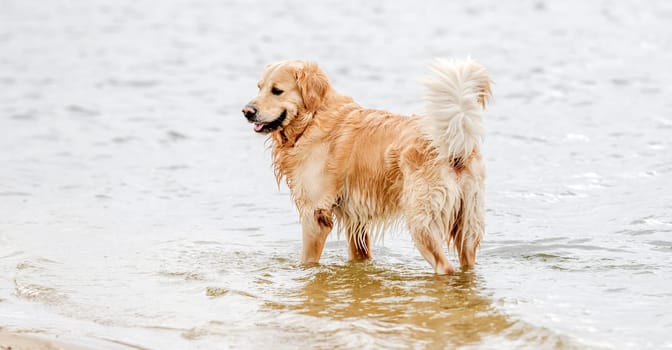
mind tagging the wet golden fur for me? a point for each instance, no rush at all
(368, 170)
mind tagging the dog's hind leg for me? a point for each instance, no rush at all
(430, 245)
(426, 230)
(469, 226)
(359, 242)
(316, 227)
(428, 206)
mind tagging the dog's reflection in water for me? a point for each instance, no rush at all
(364, 304)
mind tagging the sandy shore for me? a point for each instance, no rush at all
(17, 341)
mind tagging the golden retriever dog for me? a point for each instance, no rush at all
(368, 170)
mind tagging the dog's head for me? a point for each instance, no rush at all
(288, 91)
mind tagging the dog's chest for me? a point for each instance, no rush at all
(309, 179)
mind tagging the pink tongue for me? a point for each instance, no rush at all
(258, 126)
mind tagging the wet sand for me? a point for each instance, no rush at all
(18, 341)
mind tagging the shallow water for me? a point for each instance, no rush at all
(139, 210)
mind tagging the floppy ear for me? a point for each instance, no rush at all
(313, 85)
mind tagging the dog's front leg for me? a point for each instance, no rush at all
(359, 243)
(316, 227)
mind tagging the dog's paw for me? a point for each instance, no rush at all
(444, 269)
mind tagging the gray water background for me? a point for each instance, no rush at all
(139, 210)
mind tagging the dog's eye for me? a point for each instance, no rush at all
(276, 91)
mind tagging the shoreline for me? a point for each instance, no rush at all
(12, 340)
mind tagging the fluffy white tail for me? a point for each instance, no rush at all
(456, 96)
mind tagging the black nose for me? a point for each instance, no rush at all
(250, 112)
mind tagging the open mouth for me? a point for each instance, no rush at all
(270, 126)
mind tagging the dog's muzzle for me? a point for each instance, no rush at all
(250, 113)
